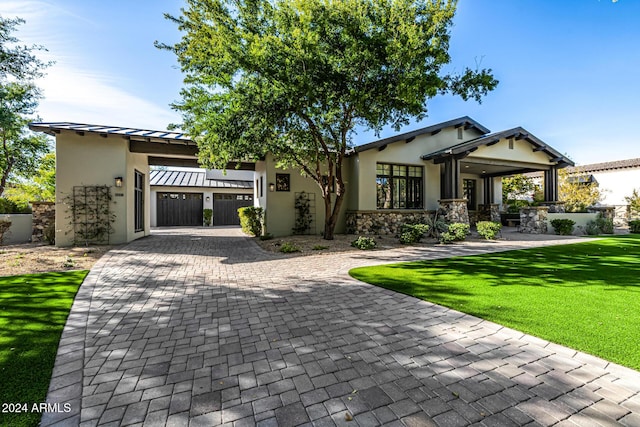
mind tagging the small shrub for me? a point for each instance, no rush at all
(49, 234)
(456, 232)
(488, 229)
(563, 227)
(592, 228)
(207, 216)
(267, 236)
(364, 243)
(436, 226)
(634, 226)
(251, 220)
(288, 248)
(320, 248)
(605, 225)
(69, 262)
(4, 228)
(412, 233)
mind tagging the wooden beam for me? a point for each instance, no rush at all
(382, 147)
(522, 136)
(103, 135)
(540, 148)
(410, 139)
(173, 161)
(435, 132)
(493, 142)
(79, 132)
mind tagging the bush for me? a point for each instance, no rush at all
(10, 207)
(207, 216)
(251, 220)
(364, 243)
(634, 226)
(49, 234)
(600, 226)
(4, 228)
(488, 229)
(288, 248)
(456, 232)
(592, 228)
(563, 227)
(412, 233)
(436, 226)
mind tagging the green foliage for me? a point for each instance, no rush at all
(207, 216)
(10, 207)
(34, 311)
(600, 225)
(488, 229)
(563, 227)
(412, 233)
(40, 187)
(20, 150)
(456, 232)
(576, 192)
(633, 203)
(364, 243)
(4, 228)
(294, 78)
(303, 214)
(91, 214)
(251, 218)
(436, 226)
(517, 187)
(320, 247)
(634, 226)
(514, 206)
(548, 292)
(287, 248)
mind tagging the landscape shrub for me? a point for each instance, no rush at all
(251, 220)
(412, 233)
(563, 227)
(288, 248)
(456, 232)
(634, 226)
(436, 226)
(600, 225)
(364, 243)
(10, 207)
(49, 234)
(4, 228)
(207, 216)
(488, 229)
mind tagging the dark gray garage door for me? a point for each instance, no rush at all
(179, 209)
(225, 207)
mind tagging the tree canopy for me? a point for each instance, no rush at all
(20, 150)
(294, 78)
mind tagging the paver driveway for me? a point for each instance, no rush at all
(200, 327)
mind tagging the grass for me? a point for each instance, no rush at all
(585, 296)
(33, 311)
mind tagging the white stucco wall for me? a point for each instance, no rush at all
(617, 184)
(522, 151)
(580, 219)
(20, 230)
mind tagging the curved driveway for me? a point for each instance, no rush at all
(200, 327)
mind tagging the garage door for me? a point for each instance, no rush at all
(179, 209)
(225, 207)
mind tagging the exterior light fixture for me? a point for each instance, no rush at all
(118, 181)
(272, 187)
(208, 198)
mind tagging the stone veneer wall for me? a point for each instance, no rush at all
(489, 212)
(607, 212)
(44, 214)
(454, 210)
(383, 221)
(533, 219)
(554, 207)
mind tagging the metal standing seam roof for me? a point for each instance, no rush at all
(53, 128)
(173, 178)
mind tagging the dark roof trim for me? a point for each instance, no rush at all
(517, 133)
(465, 121)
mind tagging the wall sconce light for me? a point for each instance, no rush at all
(118, 181)
(208, 198)
(272, 187)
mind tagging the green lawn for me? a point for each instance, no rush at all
(585, 296)
(33, 311)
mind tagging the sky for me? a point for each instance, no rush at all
(568, 70)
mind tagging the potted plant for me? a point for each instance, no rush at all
(207, 215)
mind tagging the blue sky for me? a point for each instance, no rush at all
(568, 69)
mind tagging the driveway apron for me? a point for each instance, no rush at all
(200, 327)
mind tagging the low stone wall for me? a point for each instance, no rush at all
(533, 220)
(20, 230)
(453, 210)
(383, 221)
(489, 212)
(44, 214)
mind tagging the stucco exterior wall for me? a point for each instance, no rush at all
(20, 230)
(280, 205)
(522, 152)
(90, 160)
(140, 163)
(617, 184)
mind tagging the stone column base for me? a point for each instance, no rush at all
(533, 220)
(454, 210)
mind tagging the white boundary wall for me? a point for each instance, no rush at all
(21, 228)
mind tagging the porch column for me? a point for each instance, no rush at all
(451, 178)
(551, 184)
(488, 190)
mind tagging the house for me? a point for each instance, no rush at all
(452, 167)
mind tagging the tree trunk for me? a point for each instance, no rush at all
(331, 215)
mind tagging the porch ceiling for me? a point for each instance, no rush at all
(495, 168)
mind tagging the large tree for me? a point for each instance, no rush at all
(294, 78)
(20, 150)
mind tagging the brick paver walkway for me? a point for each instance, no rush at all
(200, 327)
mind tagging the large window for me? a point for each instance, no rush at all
(138, 201)
(398, 186)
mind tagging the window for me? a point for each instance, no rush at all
(283, 182)
(459, 133)
(469, 192)
(510, 143)
(138, 210)
(398, 186)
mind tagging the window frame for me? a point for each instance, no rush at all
(138, 201)
(406, 186)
